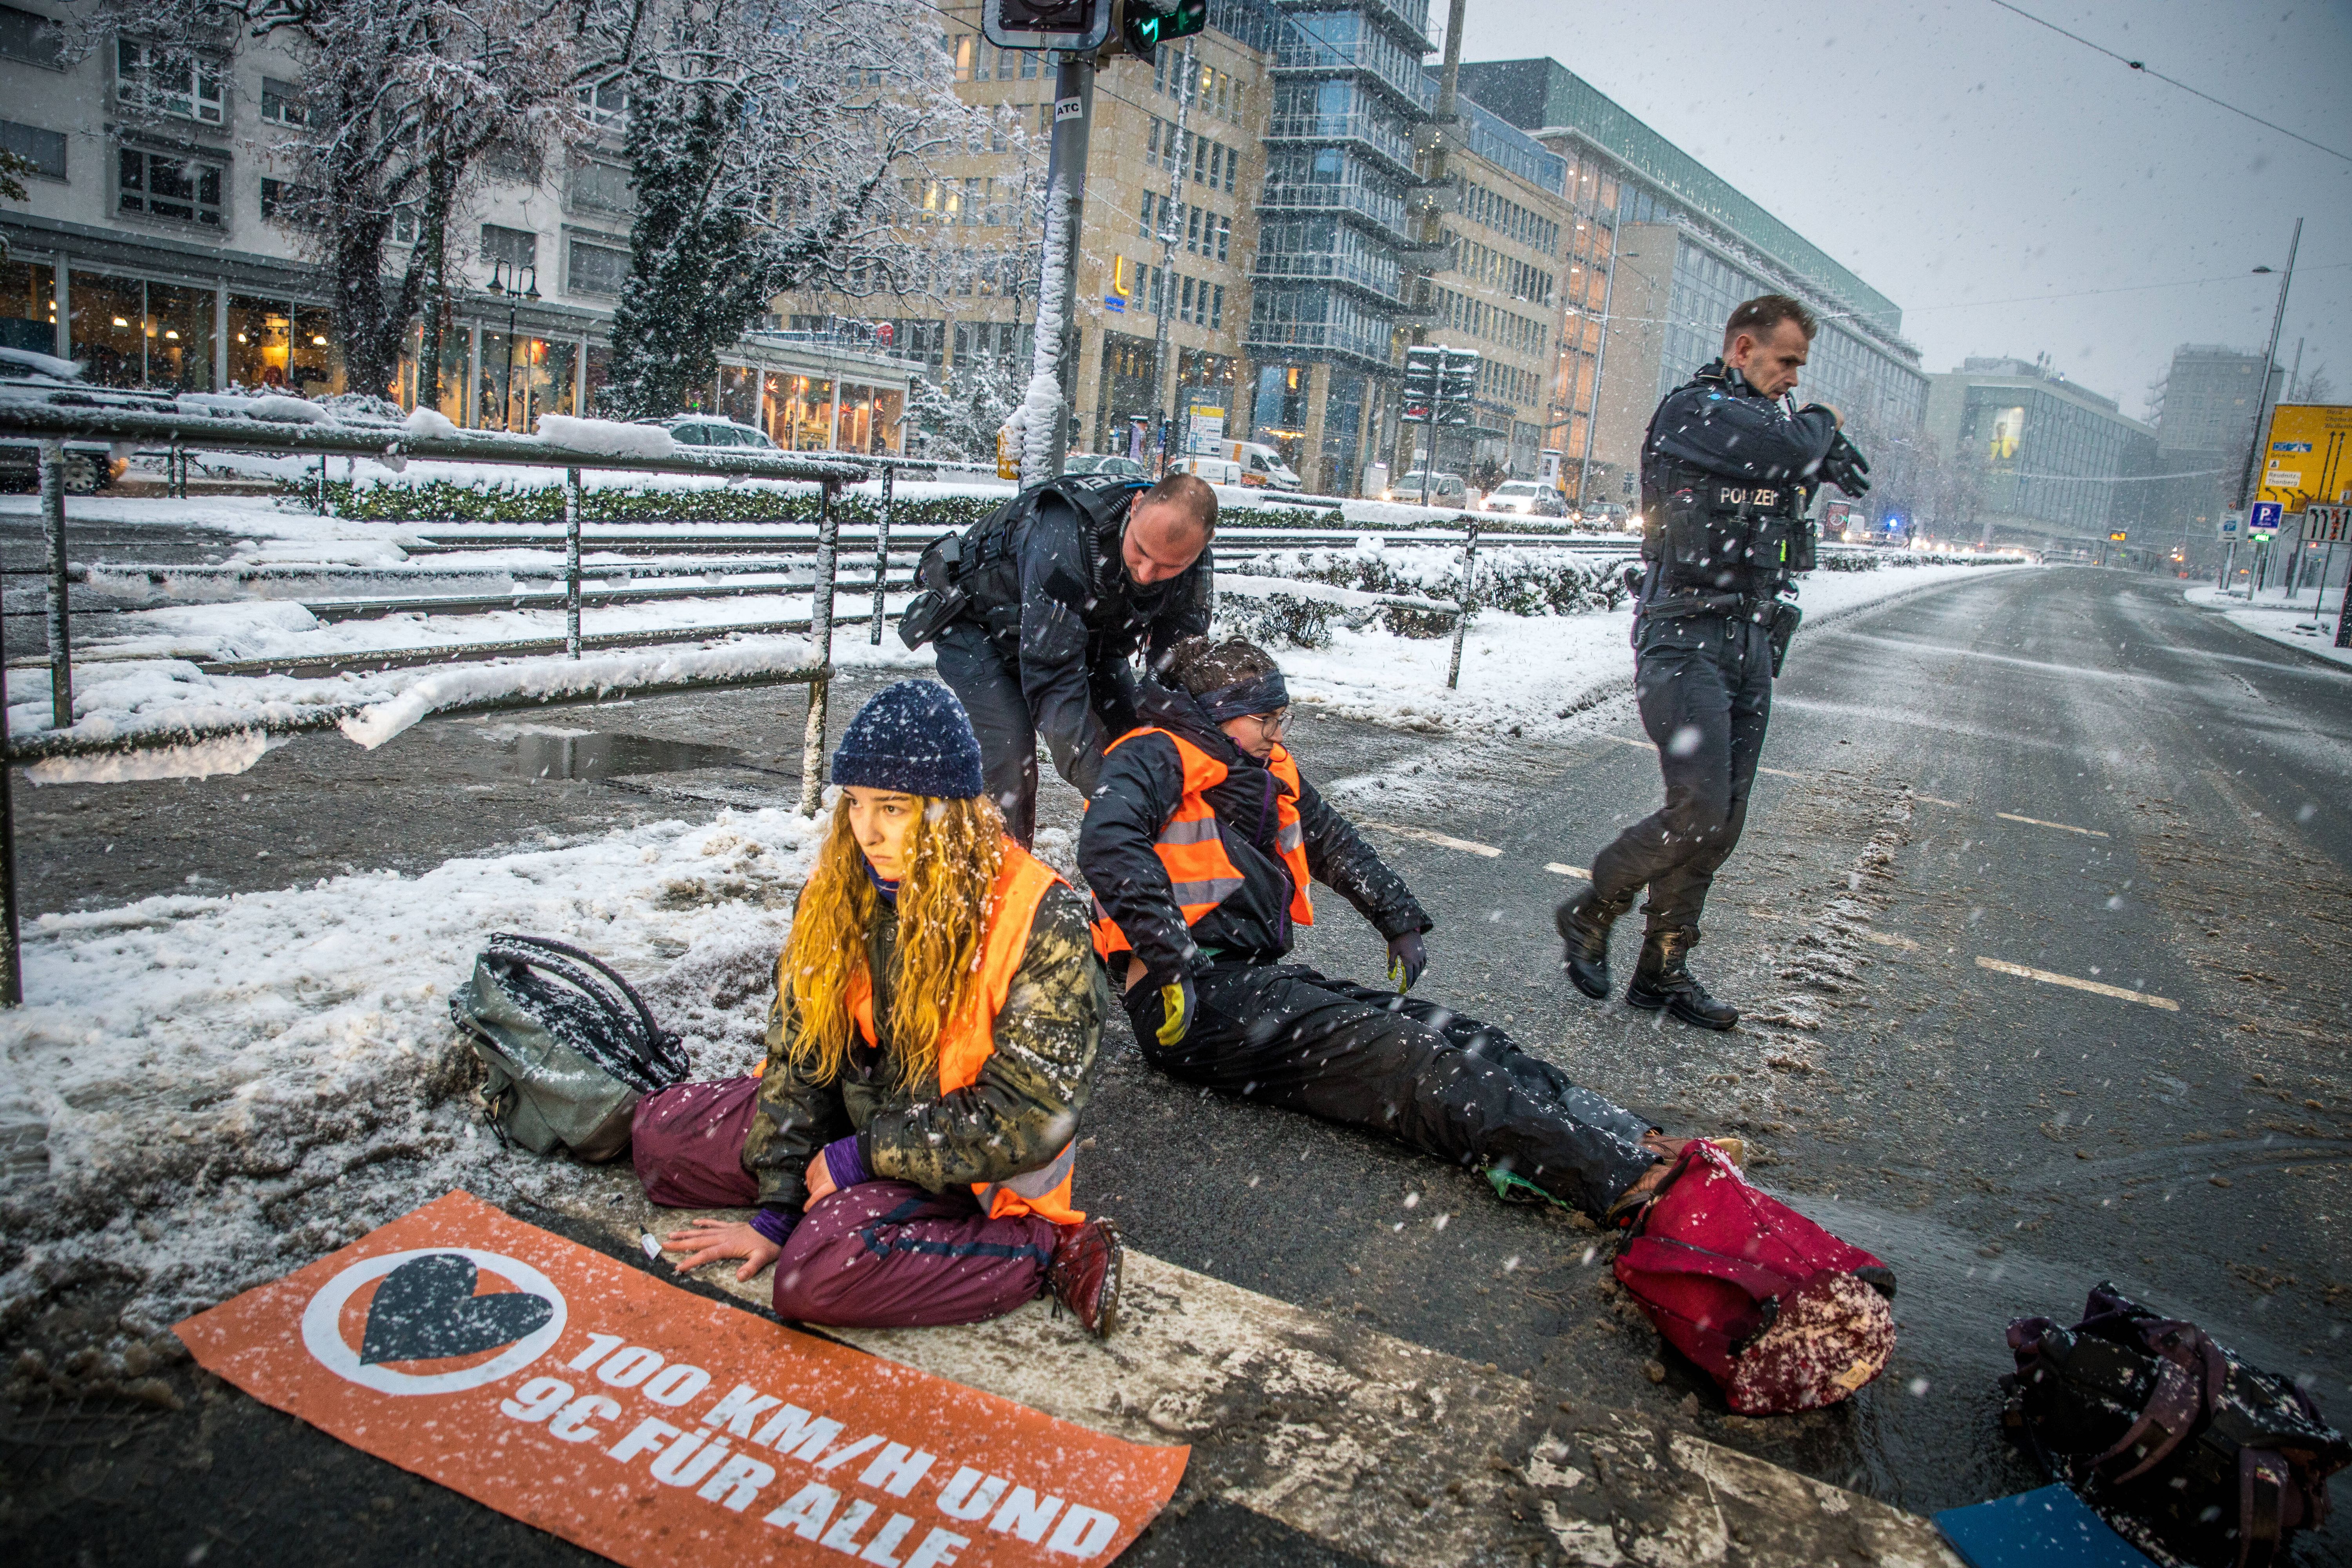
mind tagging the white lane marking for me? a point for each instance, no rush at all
(1561, 868)
(1888, 939)
(1621, 741)
(1939, 800)
(2049, 978)
(1784, 773)
(2062, 826)
(1427, 836)
(1194, 1359)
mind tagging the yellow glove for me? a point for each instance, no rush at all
(1176, 1006)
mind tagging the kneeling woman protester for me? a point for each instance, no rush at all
(911, 1138)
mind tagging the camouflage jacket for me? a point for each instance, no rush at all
(1014, 1118)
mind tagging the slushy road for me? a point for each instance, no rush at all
(2069, 775)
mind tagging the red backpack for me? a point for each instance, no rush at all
(1782, 1313)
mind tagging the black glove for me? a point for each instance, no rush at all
(1178, 1004)
(1408, 956)
(1845, 466)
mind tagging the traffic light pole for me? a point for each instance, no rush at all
(1066, 194)
(1162, 372)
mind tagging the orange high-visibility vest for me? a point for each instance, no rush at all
(968, 1038)
(1199, 872)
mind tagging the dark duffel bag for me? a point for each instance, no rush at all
(567, 1046)
(2187, 1451)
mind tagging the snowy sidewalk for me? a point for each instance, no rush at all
(2299, 626)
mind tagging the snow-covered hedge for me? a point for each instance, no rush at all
(1517, 581)
(439, 500)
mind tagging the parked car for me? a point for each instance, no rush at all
(1216, 471)
(1103, 463)
(1526, 497)
(90, 466)
(1445, 489)
(710, 430)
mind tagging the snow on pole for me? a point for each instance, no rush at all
(571, 562)
(1040, 414)
(882, 552)
(12, 964)
(828, 531)
(53, 521)
(1469, 578)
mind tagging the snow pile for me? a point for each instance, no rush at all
(431, 422)
(18, 361)
(607, 437)
(203, 1094)
(449, 687)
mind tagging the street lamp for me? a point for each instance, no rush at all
(509, 277)
(2261, 412)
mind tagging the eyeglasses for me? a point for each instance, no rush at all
(1272, 724)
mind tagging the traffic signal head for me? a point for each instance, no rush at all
(1078, 26)
(1422, 368)
(1145, 25)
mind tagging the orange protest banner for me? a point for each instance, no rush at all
(640, 1421)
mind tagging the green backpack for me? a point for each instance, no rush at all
(564, 1061)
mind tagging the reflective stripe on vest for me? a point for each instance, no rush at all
(969, 1039)
(1200, 875)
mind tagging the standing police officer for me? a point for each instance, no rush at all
(1038, 609)
(1728, 467)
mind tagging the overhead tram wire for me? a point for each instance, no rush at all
(2142, 67)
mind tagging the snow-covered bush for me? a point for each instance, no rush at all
(1276, 620)
(1515, 580)
(440, 500)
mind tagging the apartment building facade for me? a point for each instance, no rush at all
(161, 245)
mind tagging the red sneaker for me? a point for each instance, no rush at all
(1084, 1273)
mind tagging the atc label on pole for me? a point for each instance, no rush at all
(589, 1399)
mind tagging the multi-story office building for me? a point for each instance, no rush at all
(160, 245)
(1671, 253)
(2054, 463)
(2204, 429)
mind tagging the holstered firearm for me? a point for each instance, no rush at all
(941, 598)
(1785, 618)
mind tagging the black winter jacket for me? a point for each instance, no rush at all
(1716, 422)
(1142, 784)
(1058, 606)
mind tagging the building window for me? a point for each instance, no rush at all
(1217, 306)
(282, 102)
(1224, 237)
(30, 38)
(282, 201)
(183, 190)
(965, 49)
(596, 268)
(1192, 231)
(167, 81)
(44, 150)
(596, 187)
(518, 248)
(606, 107)
(404, 224)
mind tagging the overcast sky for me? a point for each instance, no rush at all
(1953, 154)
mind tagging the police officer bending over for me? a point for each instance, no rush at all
(1729, 466)
(1038, 609)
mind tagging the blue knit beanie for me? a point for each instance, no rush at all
(915, 738)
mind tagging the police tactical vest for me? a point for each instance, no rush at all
(983, 562)
(968, 1038)
(1199, 872)
(1707, 535)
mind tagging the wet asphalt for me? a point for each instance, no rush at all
(2003, 1141)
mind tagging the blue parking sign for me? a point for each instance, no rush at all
(2265, 514)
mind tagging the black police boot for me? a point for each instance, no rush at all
(1662, 979)
(1583, 923)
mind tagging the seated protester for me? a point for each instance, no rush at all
(910, 1139)
(1199, 843)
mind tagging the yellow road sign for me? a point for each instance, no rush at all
(2308, 456)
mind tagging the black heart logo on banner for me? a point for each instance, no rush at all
(426, 1309)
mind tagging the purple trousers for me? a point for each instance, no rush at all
(880, 1255)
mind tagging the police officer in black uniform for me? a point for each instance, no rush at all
(1039, 609)
(1728, 468)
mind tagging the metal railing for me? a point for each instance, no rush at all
(53, 425)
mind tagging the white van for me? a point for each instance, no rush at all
(1216, 471)
(1262, 467)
